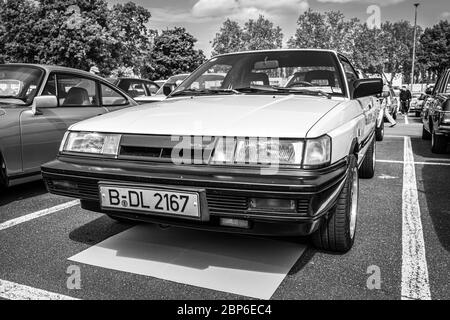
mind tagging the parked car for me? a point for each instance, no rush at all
(160, 82)
(37, 105)
(416, 104)
(436, 114)
(165, 89)
(136, 88)
(246, 157)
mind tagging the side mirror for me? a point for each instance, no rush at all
(429, 91)
(42, 102)
(167, 90)
(367, 87)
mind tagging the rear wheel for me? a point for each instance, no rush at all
(367, 169)
(379, 133)
(338, 232)
(438, 143)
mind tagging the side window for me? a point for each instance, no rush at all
(152, 88)
(111, 97)
(350, 73)
(77, 91)
(447, 84)
(136, 89)
(50, 86)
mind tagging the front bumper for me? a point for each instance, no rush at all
(227, 191)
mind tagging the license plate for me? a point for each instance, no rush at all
(150, 200)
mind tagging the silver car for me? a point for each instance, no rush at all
(37, 105)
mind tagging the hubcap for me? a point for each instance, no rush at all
(354, 204)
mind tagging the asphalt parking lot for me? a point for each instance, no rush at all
(403, 239)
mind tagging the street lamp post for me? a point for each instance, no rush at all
(414, 44)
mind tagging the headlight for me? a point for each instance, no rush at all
(318, 152)
(258, 151)
(91, 142)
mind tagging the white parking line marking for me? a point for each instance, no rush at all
(415, 283)
(37, 214)
(406, 119)
(415, 163)
(14, 291)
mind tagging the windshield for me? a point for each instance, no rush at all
(283, 72)
(19, 84)
(172, 82)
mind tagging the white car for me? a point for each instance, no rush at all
(245, 157)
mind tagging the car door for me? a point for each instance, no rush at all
(366, 103)
(41, 133)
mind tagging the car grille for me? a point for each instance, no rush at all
(219, 202)
(160, 148)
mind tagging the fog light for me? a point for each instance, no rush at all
(272, 204)
(65, 185)
(235, 223)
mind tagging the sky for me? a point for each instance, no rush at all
(203, 18)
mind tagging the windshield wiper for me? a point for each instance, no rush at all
(256, 88)
(305, 91)
(203, 92)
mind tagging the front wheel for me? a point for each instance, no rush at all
(338, 232)
(367, 169)
(379, 133)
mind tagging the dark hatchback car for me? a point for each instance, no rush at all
(436, 114)
(37, 105)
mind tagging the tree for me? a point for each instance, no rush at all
(133, 38)
(17, 18)
(75, 33)
(228, 39)
(262, 34)
(397, 47)
(255, 35)
(368, 53)
(327, 30)
(173, 53)
(434, 54)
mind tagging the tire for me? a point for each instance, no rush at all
(3, 178)
(367, 169)
(379, 132)
(438, 143)
(425, 134)
(337, 233)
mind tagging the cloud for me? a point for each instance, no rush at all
(368, 2)
(245, 9)
(445, 15)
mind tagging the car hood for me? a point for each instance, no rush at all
(232, 115)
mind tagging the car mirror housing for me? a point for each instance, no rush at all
(367, 87)
(42, 102)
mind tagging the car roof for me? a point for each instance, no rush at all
(277, 50)
(53, 68)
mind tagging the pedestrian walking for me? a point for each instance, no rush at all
(405, 98)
